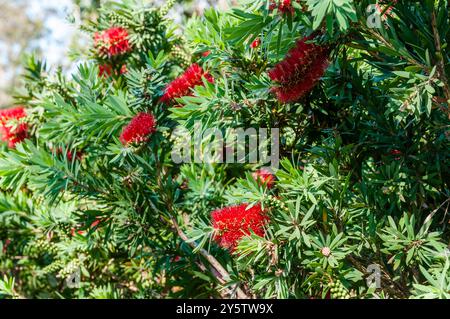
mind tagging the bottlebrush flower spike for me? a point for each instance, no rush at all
(138, 130)
(300, 71)
(264, 177)
(256, 43)
(283, 6)
(182, 85)
(69, 154)
(11, 132)
(112, 42)
(105, 70)
(234, 222)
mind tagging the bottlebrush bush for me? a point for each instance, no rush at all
(363, 186)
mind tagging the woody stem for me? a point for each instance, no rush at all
(224, 275)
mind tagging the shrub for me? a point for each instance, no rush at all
(363, 184)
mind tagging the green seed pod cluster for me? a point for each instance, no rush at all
(65, 229)
(180, 56)
(277, 203)
(53, 267)
(178, 141)
(118, 19)
(289, 136)
(164, 10)
(81, 249)
(42, 247)
(338, 291)
(70, 268)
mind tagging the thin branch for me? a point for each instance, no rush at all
(440, 60)
(224, 275)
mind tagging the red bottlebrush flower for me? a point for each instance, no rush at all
(182, 85)
(176, 259)
(105, 70)
(206, 53)
(112, 42)
(397, 154)
(12, 113)
(79, 232)
(264, 177)
(5, 245)
(69, 154)
(138, 130)
(300, 70)
(95, 223)
(256, 43)
(234, 222)
(283, 6)
(11, 129)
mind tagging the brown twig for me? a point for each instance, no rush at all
(440, 67)
(224, 276)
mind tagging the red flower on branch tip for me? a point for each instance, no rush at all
(396, 152)
(95, 223)
(176, 259)
(139, 128)
(264, 177)
(112, 42)
(182, 86)
(5, 245)
(283, 6)
(106, 70)
(12, 129)
(300, 70)
(79, 232)
(234, 222)
(256, 43)
(69, 154)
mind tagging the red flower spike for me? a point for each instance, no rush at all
(234, 222)
(176, 259)
(182, 85)
(11, 132)
(396, 152)
(283, 6)
(5, 245)
(70, 154)
(112, 42)
(264, 177)
(95, 223)
(256, 43)
(79, 232)
(138, 130)
(300, 71)
(106, 70)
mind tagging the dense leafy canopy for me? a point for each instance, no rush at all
(363, 182)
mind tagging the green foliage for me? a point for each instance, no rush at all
(363, 177)
(334, 12)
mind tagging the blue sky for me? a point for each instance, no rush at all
(60, 32)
